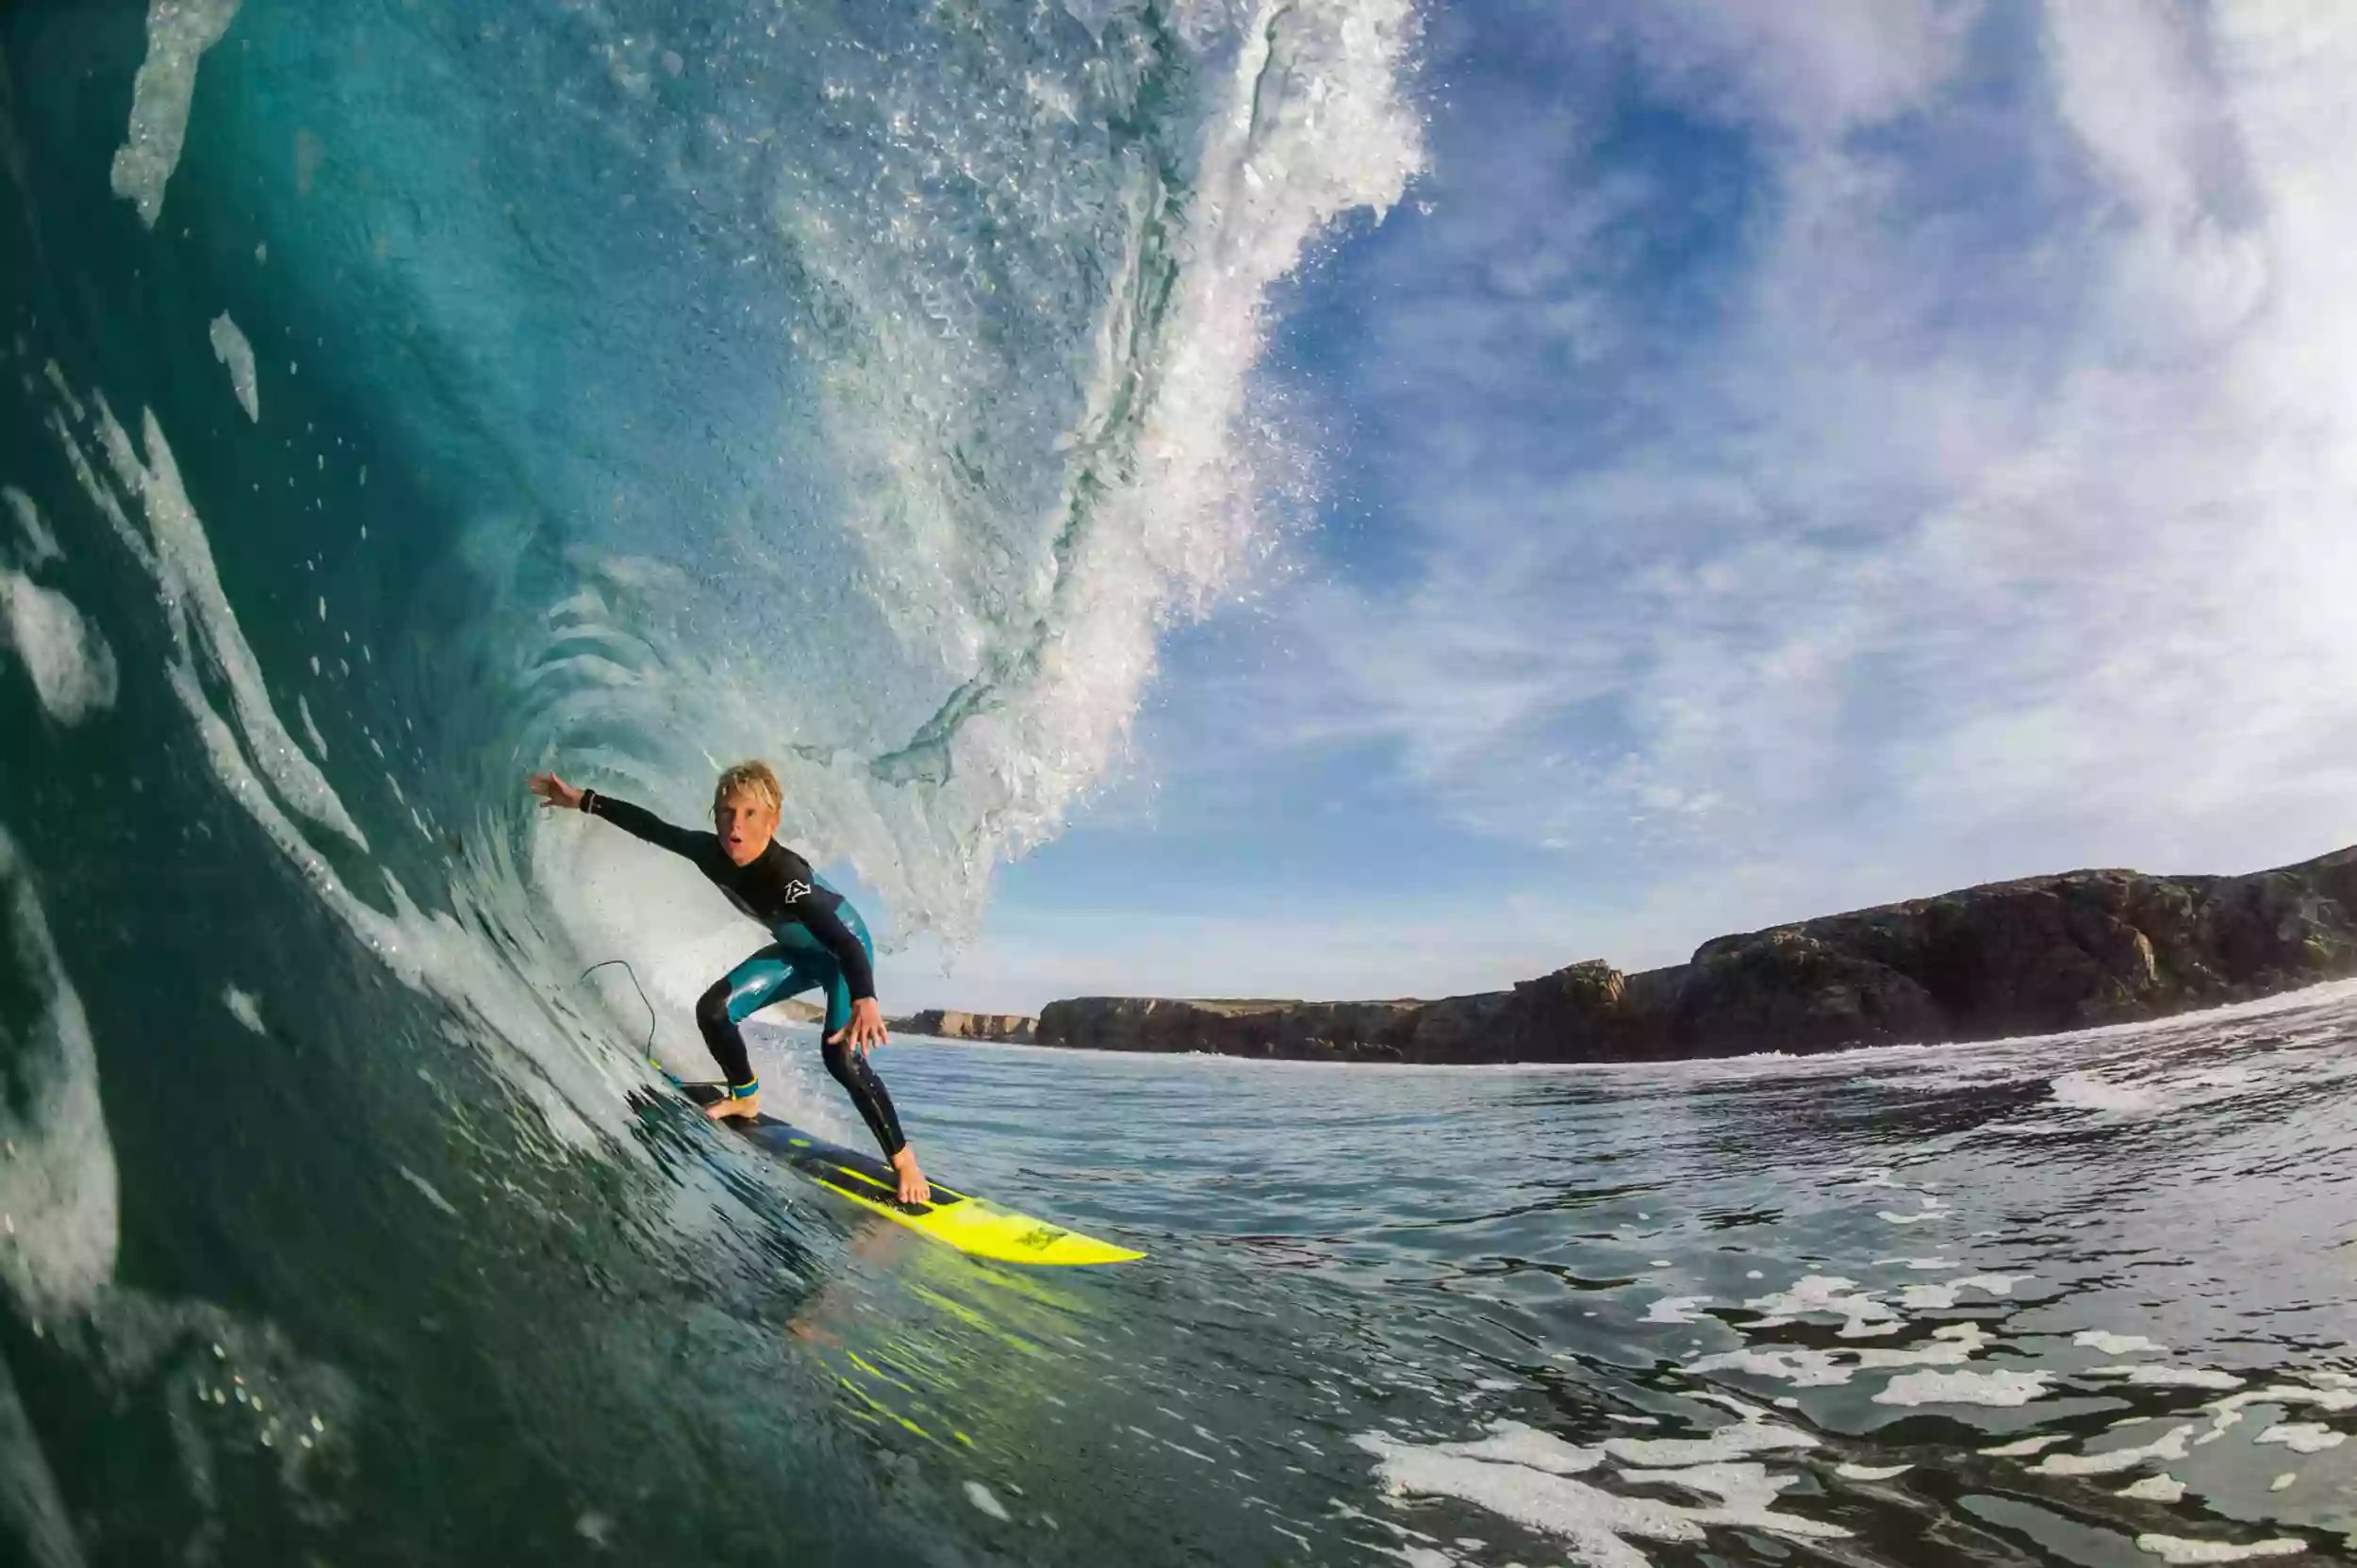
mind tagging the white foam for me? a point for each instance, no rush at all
(980, 1496)
(1414, 1557)
(2304, 1437)
(1871, 1471)
(41, 545)
(1745, 1492)
(2227, 1412)
(2089, 1091)
(232, 350)
(55, 378)
(2022, 1447)
(303, 711)
(57, 1182)
(1964, 1388)
(1751, 1435)
(178, 33)
(2147, 1376)
(191, 585)
(432, 1193)
(1676, 1309)
(72, 668)
(2181, 1553)
(2169, 1445)
(1801, 1366)
(2117, 1345)
(2161, 1488)
(1594, 1523)
(100, 495)
(1942, 1297)
(1805, 1366)
(1864, 1316)
(243, 1008)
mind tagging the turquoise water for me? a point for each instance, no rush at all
(397, 398)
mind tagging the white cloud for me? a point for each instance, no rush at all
(1816, 71)
(1971, 496)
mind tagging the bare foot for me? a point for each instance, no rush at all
(722, 1110)
(914, 1187)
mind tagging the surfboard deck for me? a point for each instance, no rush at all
(974, 1226)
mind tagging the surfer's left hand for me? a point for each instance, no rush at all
(865, 1031)
(556, 793)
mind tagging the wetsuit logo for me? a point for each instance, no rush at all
(797, 890)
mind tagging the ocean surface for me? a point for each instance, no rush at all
(397, 396)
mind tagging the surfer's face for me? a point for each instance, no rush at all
(746, 824)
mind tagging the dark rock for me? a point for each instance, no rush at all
(1793, 990)
(949, 1024)
(2037, 955)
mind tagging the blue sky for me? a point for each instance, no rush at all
(1777, 459)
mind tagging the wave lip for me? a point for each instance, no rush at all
(1162, 500)
(1033, 400)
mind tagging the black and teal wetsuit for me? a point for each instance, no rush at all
(821, 943)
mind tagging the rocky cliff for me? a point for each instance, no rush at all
(2041, 954)
(946, 1024)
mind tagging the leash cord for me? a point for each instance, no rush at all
(633, 986)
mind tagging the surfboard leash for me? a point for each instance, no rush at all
(608, 964)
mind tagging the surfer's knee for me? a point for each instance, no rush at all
(711, 1009)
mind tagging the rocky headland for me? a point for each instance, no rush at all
(2039, 955)
(949, 1024)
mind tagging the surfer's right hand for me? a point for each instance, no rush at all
(865, 1031)
(554, 792)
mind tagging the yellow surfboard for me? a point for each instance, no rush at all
(974, 1226)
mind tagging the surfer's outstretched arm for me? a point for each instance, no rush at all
(636, 820)
(639, 822)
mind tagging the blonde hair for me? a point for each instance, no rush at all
(749, 778)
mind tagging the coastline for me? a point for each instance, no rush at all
(2033, 956)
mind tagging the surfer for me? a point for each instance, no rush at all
(821, 943)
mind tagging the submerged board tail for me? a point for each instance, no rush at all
(974, 1226)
